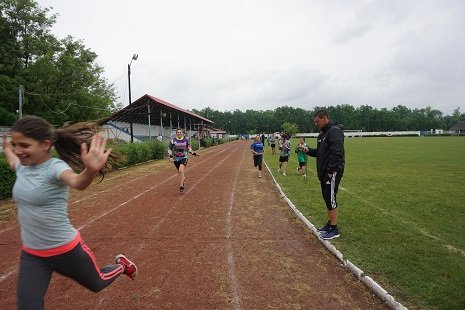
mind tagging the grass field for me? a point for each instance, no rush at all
(402, 209)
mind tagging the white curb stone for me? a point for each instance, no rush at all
(369, 282)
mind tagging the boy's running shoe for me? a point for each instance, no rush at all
(324, 229)
(333, 233)
(181, 189)
(130, 269)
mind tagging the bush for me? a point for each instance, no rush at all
(194, 144)
(8, 178)
(158, 150)
(206, 142)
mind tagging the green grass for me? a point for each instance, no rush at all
(402, 209)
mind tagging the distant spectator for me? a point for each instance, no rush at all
(285, 151)
(273, 144)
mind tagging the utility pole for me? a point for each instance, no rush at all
(20, 93)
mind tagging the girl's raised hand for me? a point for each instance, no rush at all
(95, 157)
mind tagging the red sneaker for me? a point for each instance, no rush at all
(130, 269)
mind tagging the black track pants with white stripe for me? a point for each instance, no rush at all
(329, 187)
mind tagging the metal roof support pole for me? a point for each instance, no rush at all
(200, 131)
(150, 125)
(185, 124)
(171, 126)
(161, 124)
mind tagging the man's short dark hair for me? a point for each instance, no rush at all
(321, 114)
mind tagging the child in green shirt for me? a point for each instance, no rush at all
(301, 150)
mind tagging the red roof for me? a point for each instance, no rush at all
(137, 112)
(166, 103)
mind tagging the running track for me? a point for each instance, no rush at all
(228, 242)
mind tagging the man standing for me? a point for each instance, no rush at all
(330, 167)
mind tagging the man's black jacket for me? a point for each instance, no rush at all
(330, 151)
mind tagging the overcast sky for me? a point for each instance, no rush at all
(251, 54)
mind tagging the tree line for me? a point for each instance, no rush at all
(366, 118)
(61, 79)
(62, 82)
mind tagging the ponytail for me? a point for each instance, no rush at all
(69, 138)
(66, 140)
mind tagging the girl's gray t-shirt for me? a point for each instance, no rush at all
(42, 203)
(285, 148)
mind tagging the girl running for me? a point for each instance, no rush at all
(50, 242)
(177, 149)
(257, 151)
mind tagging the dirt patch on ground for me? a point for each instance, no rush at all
(228, 242)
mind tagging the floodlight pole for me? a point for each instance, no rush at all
(134, 57)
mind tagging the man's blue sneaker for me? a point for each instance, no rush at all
(333, 233)
(324, 229)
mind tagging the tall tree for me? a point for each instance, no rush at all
(25, 34)
(61, 77)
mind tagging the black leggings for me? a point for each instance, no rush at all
(78, 264)
(257, 161)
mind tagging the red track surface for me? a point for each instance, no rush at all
(228, 242)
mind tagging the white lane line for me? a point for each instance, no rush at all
(111, 189)
(236, 299)
(124, 184)
(191, 188)
(6, 275)
(132, 198)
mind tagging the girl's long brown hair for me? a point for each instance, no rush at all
(67, 140)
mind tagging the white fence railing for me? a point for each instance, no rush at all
(367, 134)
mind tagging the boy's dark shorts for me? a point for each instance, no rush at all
(283, 159)
(302, 163)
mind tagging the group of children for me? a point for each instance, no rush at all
(284, 154)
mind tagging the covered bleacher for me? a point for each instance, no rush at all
(150, 118)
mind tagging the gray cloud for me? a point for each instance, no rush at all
(261, 55)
